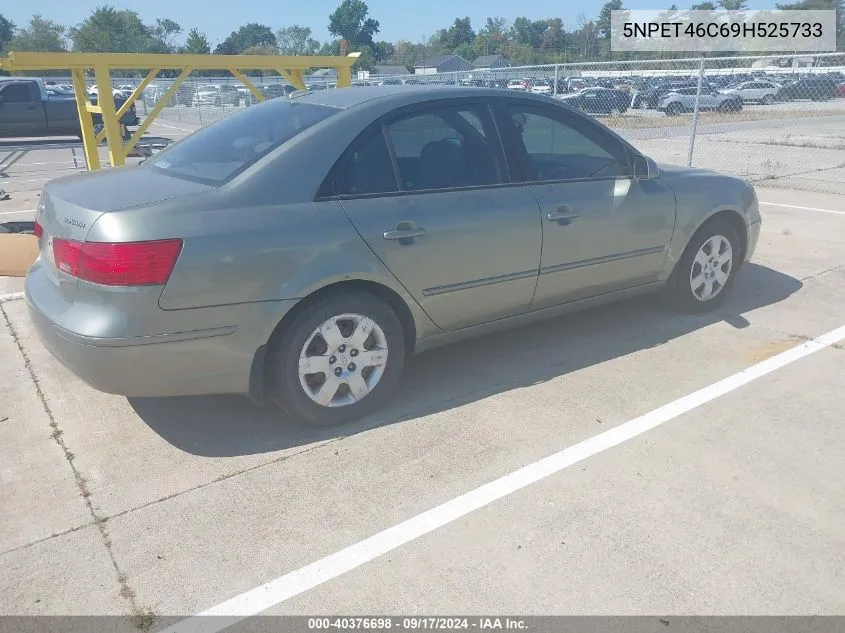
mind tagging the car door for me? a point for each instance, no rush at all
(603, 230)
(20, 112)
(451, 228)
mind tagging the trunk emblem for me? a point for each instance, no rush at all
(75, 223)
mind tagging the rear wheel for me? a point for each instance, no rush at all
(338, 359)
(768, 99)
(707, 269)
(673, 109)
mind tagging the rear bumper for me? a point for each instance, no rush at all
(184, 362)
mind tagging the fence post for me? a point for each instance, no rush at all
(695, 112)
(554, 88)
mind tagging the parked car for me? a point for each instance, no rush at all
(598, 101)
(541, 87)
(28, 109)
(650, 97)
(519, 84)
(23, 227)
(274, 91)
(217, 95)
(154, 93)
(754, 91)
(815, 89)
(683, 100)
(299, 250)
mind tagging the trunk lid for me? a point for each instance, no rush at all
(70, 206)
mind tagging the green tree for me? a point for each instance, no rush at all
(383, 51)
(44, 36)
(247, 36)
(491, 38)
(603, 21)
(459, 33)
(225, 48)
(296, 40)
(403, 53)
(554, 37)
(165, 31)
(197, 43)
(261, 49)
(7, 32)
(330, 48)
(733, 5)
(365, 61)
(528, 33)
(704, 6)
(109, 30)
(350, 22)
(834, 5)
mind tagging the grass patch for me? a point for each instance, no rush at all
(635, 121)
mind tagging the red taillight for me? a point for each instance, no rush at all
(39, 230)
(118, 264)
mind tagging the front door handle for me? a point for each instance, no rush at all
(405, 232)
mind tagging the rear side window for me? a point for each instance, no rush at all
(219, 152)
(366, 168)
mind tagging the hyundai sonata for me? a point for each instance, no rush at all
(300, 250)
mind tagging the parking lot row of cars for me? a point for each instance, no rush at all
(671, 95)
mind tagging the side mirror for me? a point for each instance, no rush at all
(644, 168)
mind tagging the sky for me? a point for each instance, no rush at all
(399, 19)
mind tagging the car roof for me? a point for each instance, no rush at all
(345, 98)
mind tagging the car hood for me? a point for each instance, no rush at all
(667, 169)
(121, 188)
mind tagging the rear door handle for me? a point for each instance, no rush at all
(564, 212)
(405, 232)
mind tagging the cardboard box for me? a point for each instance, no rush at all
(17, 253)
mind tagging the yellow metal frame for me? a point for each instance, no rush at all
(290, 68)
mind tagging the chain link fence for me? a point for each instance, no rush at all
(779, 121)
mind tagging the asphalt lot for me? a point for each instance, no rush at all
(724, 497)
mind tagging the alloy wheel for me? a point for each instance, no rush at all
(711, 268)
(342, 360)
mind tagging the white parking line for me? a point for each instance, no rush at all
(173, 127)
(296, 582)
(12, 296)
(794, 206)
(17, 212)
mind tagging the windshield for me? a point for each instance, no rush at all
(221, 151)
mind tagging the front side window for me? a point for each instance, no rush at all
(552, 146)
(222, 150)
(444, 148)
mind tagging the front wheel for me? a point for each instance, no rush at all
(706, 271)
(768, 99)
(338, 359)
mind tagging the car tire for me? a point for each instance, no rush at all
(697, 287)
(768, 99)
(287, 386)
(673, 109)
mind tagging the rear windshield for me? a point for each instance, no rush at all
(222, 150)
